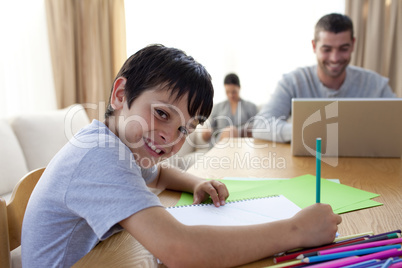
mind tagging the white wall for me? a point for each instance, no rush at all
(257, 39)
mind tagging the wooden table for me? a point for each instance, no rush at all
(255, 158)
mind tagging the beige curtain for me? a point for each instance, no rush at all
(88, 46)
(378, 32)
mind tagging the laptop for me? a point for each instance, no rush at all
(348, 127)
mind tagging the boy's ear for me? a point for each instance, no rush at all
(117, 98)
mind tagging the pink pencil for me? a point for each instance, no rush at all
(396, 265)
(361, 246)
(352, 260)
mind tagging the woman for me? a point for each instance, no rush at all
(231, 118)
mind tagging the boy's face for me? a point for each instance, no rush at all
(155, 126)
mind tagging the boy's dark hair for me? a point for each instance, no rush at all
(231, 79)
(334, 23)
(171, 68)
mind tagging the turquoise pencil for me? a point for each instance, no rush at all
(318, 171)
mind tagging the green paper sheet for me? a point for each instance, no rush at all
(300, 190)
(357, 206)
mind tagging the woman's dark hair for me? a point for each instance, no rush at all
(231, 79)
(172, 69)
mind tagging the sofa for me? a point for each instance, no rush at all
(29, 141)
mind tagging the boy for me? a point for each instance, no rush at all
(89, 192)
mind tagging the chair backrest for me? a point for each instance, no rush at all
(12, 214)
(4, 244)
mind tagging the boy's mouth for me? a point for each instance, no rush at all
(153, 147)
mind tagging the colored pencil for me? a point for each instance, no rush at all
(348, 237)
(336, 240)
(287, 264)
(361, 246)
(343, 238)
(387, 263)
(318, 171)
(381, 263)
(376, 238)
(316, 249)
(351, 260)
(308, 252)
(337, 245)
(363, 264)
(375, 263)
(390, 232)
(349, 253)
(351, 243)
(397, 265)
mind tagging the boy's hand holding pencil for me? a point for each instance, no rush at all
(324, 229)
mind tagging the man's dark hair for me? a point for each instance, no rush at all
(172, 69)
(231, 79)
(334, 23)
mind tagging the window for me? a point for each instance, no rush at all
(259, 39)
(26, 77)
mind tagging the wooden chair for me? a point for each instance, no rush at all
(12, 214)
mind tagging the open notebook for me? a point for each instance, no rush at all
(242, 212)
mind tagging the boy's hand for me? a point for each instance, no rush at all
(317, 225)
(215, 189)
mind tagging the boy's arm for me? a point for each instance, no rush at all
(172, 178)
(178, 245)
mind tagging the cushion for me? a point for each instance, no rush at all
(12, 161)
(42, 135)
(16, 258)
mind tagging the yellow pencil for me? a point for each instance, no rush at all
(352, 236)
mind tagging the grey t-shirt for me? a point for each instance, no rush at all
(86, 190)
(270, 123)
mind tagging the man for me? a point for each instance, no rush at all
(331, 77)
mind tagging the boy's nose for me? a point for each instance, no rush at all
(169, 136)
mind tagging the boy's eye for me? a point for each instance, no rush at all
(183, 130)
(161, 113)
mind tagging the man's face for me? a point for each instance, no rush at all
(333, 51)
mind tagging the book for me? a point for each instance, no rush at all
(240, 212)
